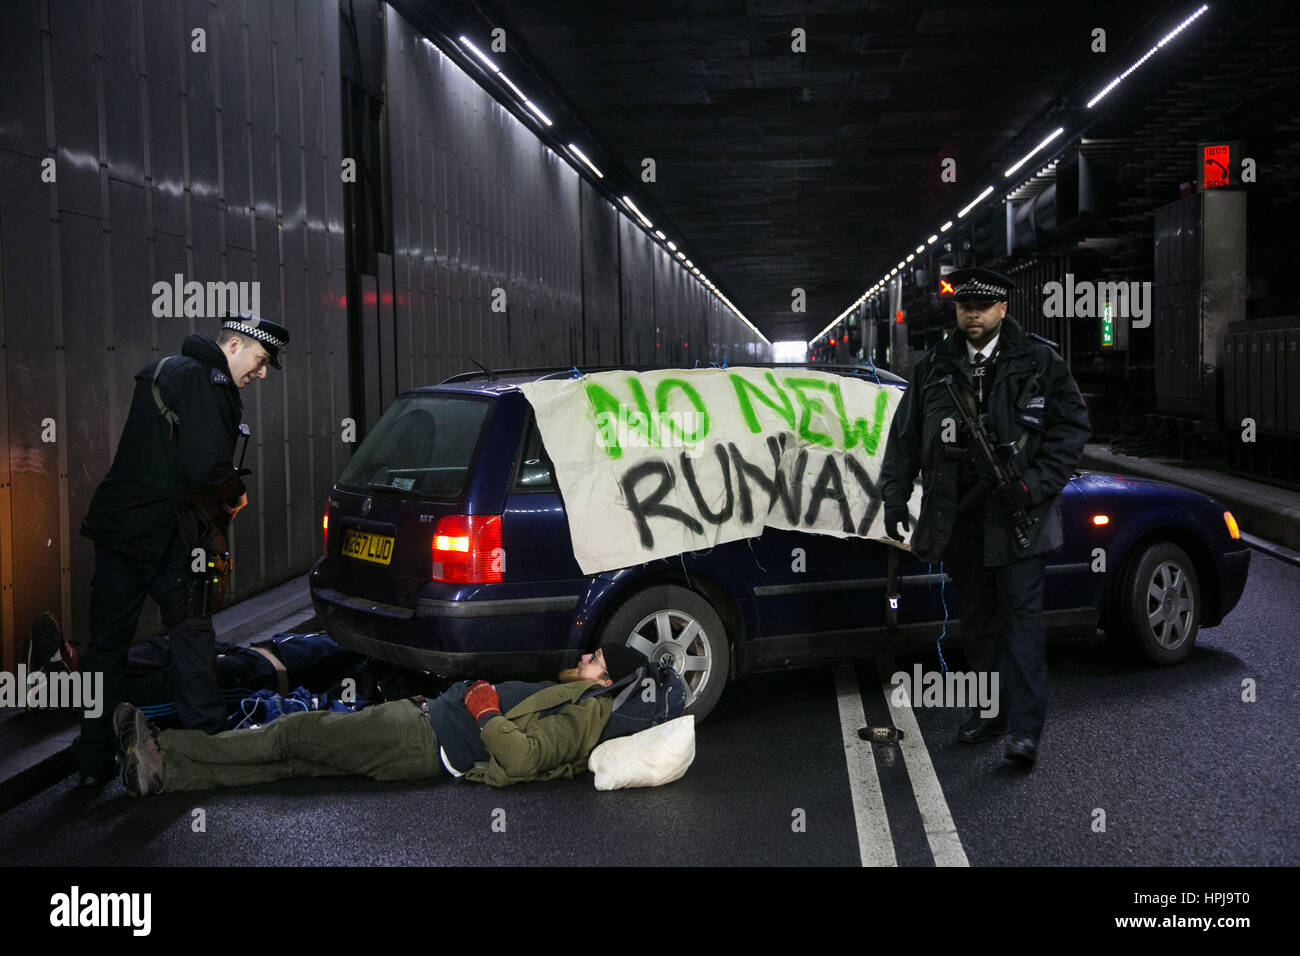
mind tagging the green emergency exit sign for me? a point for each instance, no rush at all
(1107, 326)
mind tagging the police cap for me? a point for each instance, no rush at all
(980, 285)
(272, 335)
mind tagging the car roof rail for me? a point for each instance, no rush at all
(557, 371)
(545, 371)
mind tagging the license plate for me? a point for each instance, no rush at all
(365, 546)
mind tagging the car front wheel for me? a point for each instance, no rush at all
(1159, 604)
(677, 626)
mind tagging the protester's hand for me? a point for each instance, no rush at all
(894, 516)
(234, 509)
(482, 699)
(1015, 496)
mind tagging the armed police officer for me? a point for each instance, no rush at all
(991, 526)
(172, 490)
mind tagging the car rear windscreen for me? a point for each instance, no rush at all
(423, 444)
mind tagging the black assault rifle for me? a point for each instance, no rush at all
(996, 471)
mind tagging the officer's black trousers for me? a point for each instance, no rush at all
(117, 593)
(1002, 626)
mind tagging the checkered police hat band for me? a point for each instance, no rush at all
(254, 333)
(976, 287)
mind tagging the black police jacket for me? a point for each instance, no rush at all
(135, 509)
(1053, 415)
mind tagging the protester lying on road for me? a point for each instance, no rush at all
(502, 734)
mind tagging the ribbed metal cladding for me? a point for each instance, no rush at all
(486, 220)
(485, 213)
(217, 165)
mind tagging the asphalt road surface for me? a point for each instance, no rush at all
(1138, 766)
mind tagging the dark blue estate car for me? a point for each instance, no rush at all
(447, 550)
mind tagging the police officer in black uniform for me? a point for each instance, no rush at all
(173, 480)
(1023, 392)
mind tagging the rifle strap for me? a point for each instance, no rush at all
(891, 592)
(168, 414)
(976, 492)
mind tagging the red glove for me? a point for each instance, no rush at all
(482, 700)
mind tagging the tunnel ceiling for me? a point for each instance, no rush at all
(816, 170)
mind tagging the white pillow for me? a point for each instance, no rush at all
(655, 756)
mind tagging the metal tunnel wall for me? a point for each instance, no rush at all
(481, 204)
(217, 157)
(214, 156)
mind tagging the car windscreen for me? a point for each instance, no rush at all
(423, 444)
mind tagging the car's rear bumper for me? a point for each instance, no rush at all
(361, 635)
(451, 634)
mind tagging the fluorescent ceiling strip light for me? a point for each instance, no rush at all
(1025, 158)
(976, 201)
(583, 156)
(540, 115)
(1146, 56)
(920, 249)
(480, 54)
(932, 240)
(631, 205)
(518, 92)
(946, 226)
(659, 234)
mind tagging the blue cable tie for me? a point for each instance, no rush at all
(873, 369)
(576, 373)
(944, 633)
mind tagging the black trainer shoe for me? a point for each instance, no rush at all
(978, 729)
(1023, 749)
(44, 644)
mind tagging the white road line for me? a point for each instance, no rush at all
(940, 830)
(875, 843)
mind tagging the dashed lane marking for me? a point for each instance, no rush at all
(875, 842)
(940, 830)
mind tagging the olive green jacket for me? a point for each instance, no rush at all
(527, 744)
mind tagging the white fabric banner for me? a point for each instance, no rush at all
(652, 464)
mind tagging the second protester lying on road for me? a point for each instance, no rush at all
(499, 735)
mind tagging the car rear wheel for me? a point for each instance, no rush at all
(1158, 605)
(679, 627)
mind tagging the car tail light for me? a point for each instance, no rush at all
(1231, 522)
(325, 534)
(467, 549)
(1100, 520)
